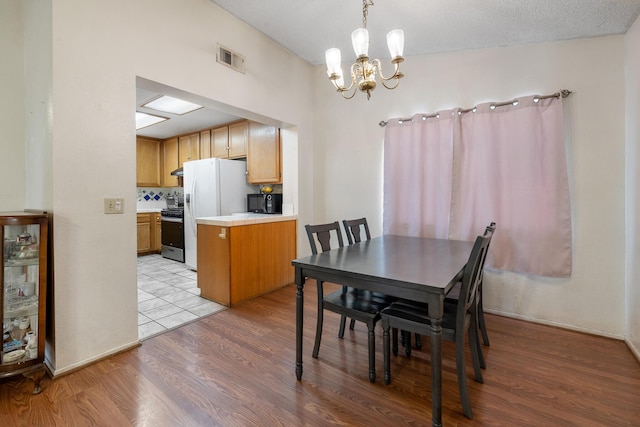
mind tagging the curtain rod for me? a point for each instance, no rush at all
(563, 93)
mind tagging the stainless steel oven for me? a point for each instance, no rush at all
(172, 228)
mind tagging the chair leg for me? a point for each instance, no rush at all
(476, 341)
(418, 342)
(483, 328)
(352, 324)
(407, 343)
(462, 377)
(316, 346)
(387, 356)
(372, 351)
(476, 352)
(395, 341)
(481, 323)
(343, 321)
(481, 360)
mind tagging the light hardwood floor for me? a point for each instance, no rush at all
(236, 368)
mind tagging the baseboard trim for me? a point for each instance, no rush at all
(56, 373)
(555, 324)
(633, 350)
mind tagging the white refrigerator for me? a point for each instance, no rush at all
(212, 187)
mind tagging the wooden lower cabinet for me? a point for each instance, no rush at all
(149, 233)
(242, 262)
(144, 233)
(157, 233)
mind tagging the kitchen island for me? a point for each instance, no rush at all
(242, 256)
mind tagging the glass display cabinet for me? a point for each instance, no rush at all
(23, 297)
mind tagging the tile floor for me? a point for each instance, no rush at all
(168, 296)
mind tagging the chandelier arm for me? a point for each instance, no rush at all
(342, 88)
(342, 92)
(396, 71)
(391, 87)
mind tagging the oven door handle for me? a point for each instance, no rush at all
(170, 219)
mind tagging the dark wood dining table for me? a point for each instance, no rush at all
(415, 268)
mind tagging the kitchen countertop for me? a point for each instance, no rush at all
(244, 219)
(148, 210)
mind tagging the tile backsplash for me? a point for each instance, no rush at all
(155, 197)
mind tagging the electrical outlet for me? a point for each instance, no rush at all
(113, 206)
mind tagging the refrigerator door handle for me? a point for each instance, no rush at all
(194, 207)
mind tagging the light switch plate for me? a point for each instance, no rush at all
(113, 206)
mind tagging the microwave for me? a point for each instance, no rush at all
(264, 203)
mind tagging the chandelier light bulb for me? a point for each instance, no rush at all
(334, 62)
(360, 41)
(395, 42)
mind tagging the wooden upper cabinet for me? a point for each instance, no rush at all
(189, 148)
(238, 135)
(148, 172)
(263, 154)
(170, 162)
(220, 142)
(230, 142)
(205, 144)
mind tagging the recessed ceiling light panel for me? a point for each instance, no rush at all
(143, 120)
(169, 104)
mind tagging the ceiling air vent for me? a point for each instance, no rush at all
(230, 58)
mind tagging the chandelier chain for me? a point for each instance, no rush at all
(365, 11)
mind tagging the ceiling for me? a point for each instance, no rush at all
(309, 27)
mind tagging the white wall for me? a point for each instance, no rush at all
(348, 159)
(99, 48)
(12, 107)
(38, 108)
(632, 41)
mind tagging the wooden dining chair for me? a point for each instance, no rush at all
(452, 297)
(459, 320)
(353, 229)
(363, 306)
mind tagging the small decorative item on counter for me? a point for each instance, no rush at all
(266, 189)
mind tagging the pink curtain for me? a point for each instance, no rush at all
(508, 165)
(417, 176)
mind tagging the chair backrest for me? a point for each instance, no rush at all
(488, 232)
(471, 278)
(353, 227)
(322, 233)
(491, 228)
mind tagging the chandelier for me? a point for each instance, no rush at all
(363, 72)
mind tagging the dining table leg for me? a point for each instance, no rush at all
(436, 308)
(299, 317)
